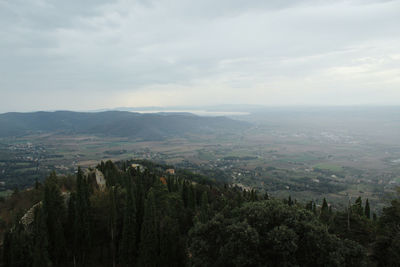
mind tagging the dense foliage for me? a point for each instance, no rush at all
(148, 215)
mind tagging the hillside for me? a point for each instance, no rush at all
(147, 214)
(115, 123)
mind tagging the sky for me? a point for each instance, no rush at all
(96, 54)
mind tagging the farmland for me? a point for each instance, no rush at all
(306, 159)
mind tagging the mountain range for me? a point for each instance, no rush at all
(115, 123)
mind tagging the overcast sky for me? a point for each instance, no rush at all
(95, 54)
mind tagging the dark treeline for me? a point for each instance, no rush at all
(147, 216)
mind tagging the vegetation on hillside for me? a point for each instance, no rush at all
(114, 123)
(148, 216)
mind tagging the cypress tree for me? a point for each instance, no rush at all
(171, 249)
(128, 242)
(113, 223)
(357, 207)
(70, 229)
(239, 199)
(54, 213)
(309, 205)
(7, 239)
(191, 198)
(204, 211)
(82, 223)
(290, 202)
(40, 242)
(36, 183)
(19, 247)
(139, 199)
(367, 210)
(149, 245)
(314, 208)
(324, 216)
(245, 193)
(185, 194)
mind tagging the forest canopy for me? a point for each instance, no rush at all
(143, 214)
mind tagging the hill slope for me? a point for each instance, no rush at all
(115, 123)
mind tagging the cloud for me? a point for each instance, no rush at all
(182, 52)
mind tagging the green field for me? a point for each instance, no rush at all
(329, 167)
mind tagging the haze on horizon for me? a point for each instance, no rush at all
(83, 55)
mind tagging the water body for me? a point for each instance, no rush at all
(197, 112)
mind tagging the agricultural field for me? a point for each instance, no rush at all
(284, 159)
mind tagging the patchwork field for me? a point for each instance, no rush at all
(298, 158)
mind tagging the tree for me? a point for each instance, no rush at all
(243, 240)
(82, 224)
(205, 241)
(54, 214)
(357, 207)
(283, 246)
(290, 202)
(17, 247)
(172, 250)
(387, 246)
(149, 245)
(204, 208)
(309, 205)
(6, 257)
(185, 194)
(40, 240)
(191, 198)
(267, 233)
(128, 242)
(367, 210)
(113, 223)
(325, 215)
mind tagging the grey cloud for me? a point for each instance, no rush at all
(120, 47)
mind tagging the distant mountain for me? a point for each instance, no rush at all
(115, 123)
